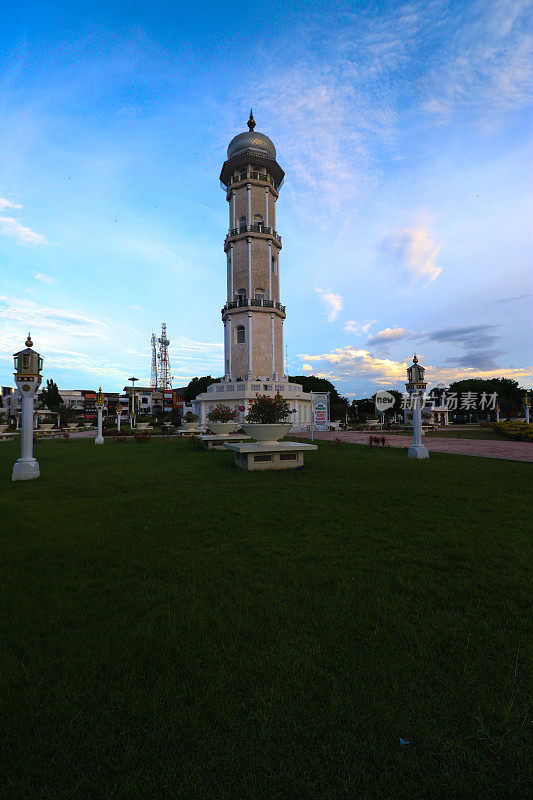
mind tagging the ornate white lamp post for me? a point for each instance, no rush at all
(497, 412)
(527, 405)
(28, 366)
(416, 386)
(119, 415)
(99, 403)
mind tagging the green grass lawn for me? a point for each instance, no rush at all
(451, 433)
(173, 627)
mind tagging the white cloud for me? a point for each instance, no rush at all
(11, 227)
(55, 325)
(40, 276)
(484, 62)
(307, 367)
(357, 365)
(414, 251)
(358, 327)
(58, 333)
(388, 335)
(5, 203)
(333, 303)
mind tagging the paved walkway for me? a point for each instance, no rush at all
(484, 448)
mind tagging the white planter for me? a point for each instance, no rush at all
(189, 426)
(222, 428)
(266, 434)
(46, 426)
(72, 425)
(142, 425)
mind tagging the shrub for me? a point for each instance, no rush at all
(142, 437)
(269, 410)
(519, 431)
(144, 418)
(190, 417)
(222, 413)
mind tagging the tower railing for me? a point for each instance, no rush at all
(256, 302)
(254, 176)
(255, 228)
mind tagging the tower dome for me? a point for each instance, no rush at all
(251, 140)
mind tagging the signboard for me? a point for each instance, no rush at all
(319, 411)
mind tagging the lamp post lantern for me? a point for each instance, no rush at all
(99, 403)
(416, 386)
(527, 405)
(119, 415)
(28, 366)
(132, 418)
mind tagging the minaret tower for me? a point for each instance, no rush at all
(252, 315)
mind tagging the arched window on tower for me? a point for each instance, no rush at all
(240, 296)
(240, 333)
(274, 265)
(259, 221)
(242, 224)
(259, 294)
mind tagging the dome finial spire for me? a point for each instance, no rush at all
(251, 121)
(29, 342)
(415, 359)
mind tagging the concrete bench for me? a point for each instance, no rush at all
(283, 455)
(217, 442)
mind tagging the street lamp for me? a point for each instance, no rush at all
(119, 412)
(28, 366)
(416, 387)
(99, 403)
(132, 419)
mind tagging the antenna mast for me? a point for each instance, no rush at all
(163, 359)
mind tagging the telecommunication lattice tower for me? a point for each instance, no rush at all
(164, 377)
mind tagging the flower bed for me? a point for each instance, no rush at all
(222, 413)
(268, 410)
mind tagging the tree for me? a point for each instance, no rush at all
(509, 395)
(362, 408)
(197, 386)
(67, 414)
(50, 397)
(310, 383)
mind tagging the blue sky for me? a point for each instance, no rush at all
(404, 130)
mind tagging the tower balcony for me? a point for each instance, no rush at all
(244, 302)
(262, 177)
(269, 233)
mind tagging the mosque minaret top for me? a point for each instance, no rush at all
(251, 141)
